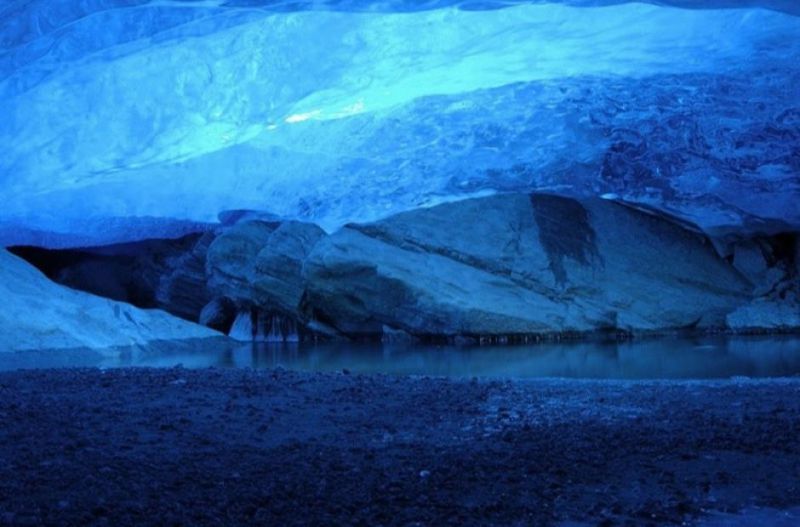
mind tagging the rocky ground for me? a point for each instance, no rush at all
(227, 447)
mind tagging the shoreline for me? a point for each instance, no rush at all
(142, 446)
(533, 339)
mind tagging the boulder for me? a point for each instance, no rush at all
(181, 287)
(773, 270)
(252, 261)
(258, 264)
(751, 258)
(520, 264)
(39, 314)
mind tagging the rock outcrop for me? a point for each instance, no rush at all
(511, 267)
(219, 314)
(516, 265)
(257, 264)
(38, 314)
(181, 288)
(248, 266)
(772, 264)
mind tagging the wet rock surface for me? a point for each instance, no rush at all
(258, 263)
(255, 263)
(521, 264)
(772, 265)
(219, 314)
(514, 267)
(223, 447)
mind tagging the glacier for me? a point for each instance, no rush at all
(344, 111)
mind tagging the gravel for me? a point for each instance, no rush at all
(227, 447)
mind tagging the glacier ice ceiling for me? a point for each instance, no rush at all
(346, 110)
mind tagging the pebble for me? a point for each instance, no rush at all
(332, 445)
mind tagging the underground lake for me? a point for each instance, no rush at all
(656, 358)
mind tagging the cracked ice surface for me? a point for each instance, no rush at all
(339, 111)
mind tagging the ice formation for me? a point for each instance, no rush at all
(337, 111)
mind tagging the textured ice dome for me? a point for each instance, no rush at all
(344, 110)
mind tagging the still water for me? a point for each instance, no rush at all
(666, 358)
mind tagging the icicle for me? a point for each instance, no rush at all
(275, 334)
(262, 328)
(291, 333)
(242, 328)
(259, 326)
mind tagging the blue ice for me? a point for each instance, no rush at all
(342, 111)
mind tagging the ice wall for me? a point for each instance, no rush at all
(339, 111)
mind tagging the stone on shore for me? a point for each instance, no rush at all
(257, 264)
(520, 264)
(772, 265)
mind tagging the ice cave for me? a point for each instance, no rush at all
(400, 262)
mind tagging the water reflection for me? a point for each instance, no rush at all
(700, 358)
